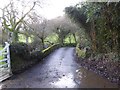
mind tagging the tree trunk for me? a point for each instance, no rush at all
(27, 39)
(70, 39)
(2, 41)
(42, 40)
(61, 39)
(93, 35)
(15, 36)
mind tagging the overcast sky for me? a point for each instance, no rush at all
(55, 7)
(51, 8)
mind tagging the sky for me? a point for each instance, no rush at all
(51, 8)
(55, 7)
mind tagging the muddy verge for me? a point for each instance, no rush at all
(104, 67)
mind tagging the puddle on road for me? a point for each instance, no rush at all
(66, 81)
(83, 79)
(1, 85)
(89, 79)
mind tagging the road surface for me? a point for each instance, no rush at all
(58, 70)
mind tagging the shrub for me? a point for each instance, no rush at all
(19, 55)
(21, 50)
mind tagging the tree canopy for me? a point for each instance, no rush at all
(101, 23)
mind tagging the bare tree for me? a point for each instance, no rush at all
(38, 26)
(11, 20)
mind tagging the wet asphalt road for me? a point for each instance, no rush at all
(58, 70)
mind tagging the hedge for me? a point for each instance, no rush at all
(20, 50)
(22, 59)
(20, 56)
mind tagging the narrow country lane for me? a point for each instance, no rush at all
(58, 70)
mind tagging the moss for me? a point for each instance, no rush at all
(50, 49)
(80, 53)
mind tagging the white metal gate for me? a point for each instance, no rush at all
(5, 67)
